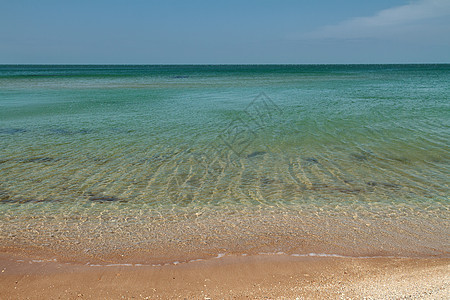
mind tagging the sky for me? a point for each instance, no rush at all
(224, 32)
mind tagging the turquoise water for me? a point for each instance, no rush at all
(83, 147)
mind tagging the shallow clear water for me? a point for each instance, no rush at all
(159, 145)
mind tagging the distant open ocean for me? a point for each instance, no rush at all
(174, 163)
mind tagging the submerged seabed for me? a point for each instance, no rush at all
(192, 161)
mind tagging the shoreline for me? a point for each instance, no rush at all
(148, 240)
(230, 276)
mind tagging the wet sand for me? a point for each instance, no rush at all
(260, 256)
(230, 277)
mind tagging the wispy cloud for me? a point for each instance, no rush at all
(388, 22)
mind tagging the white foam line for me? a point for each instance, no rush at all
(319, 255)
(40, 260)
(324, 255)
(341, 256)
(272, 253)
(221, 255)
(119, 265)
(174, 263)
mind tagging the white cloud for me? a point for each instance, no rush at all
(388, 22)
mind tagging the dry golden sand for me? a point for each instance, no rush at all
(229, 277)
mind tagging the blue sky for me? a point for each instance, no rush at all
(224, 32)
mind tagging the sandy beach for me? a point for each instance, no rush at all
(229, 277)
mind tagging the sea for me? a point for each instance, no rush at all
(173, 163)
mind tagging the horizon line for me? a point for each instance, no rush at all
(218, 64)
